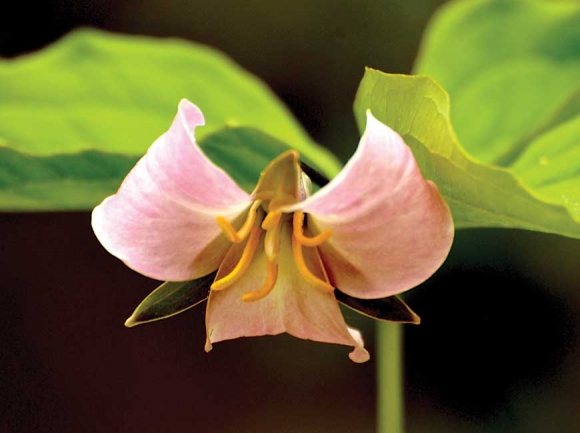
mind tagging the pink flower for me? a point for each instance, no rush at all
(377, 229)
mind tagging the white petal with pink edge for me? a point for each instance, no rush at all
(162, 221)
(391, 229)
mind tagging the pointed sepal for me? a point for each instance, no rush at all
(391, 308)
(171, 298)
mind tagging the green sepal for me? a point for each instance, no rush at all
(171, 298)
(390, 309)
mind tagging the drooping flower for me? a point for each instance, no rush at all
(375, 230)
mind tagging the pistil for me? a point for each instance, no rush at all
(273, 224)
(281, 184)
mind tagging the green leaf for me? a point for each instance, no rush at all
(511, 69)
(568, 111)
(108, 97)
(508, 67)
(171, 298)
(79, 181)
(479, 195)
(60, 181)
(391, 308)
(551, 164)
(244, 153)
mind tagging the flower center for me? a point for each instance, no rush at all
(264, 216)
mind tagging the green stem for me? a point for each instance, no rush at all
(390, 409)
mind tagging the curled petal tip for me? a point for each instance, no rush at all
(373, 123)
(208, 346)
(359, 354)
(191, 113)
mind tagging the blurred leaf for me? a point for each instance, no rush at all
(61, 181)
(508, 66)
(80, 181)
(391, 308)
(104, 97)
(171, 298)
(479, 195)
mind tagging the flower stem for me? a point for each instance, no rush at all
(390, 409)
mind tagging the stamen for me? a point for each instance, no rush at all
(238, 236)
(271, 220)
(243, 264)
(269, 284)
(298, 222)
(309, 276)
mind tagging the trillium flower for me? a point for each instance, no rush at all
(281, 253)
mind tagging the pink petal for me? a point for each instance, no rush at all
(162, 221)
(293, 306)
(391, 229)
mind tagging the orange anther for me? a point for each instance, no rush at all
(271, 220)
(301, 265)
(244, 263)
(269, 284)
(297, 223)
(241, 234)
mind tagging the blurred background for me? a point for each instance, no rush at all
(497, 350)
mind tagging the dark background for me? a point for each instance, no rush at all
(498, 347)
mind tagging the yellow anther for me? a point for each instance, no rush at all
(269, 284)
(271, 220)
(243, 264)
(301, 265)
(241, 234)
(298, 222)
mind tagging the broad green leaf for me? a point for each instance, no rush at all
(171, 298)
(568, 111)
(551, 164)
(61, 181)
(479, 195)
(96, 95)
(508, 66)
(81, 180)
